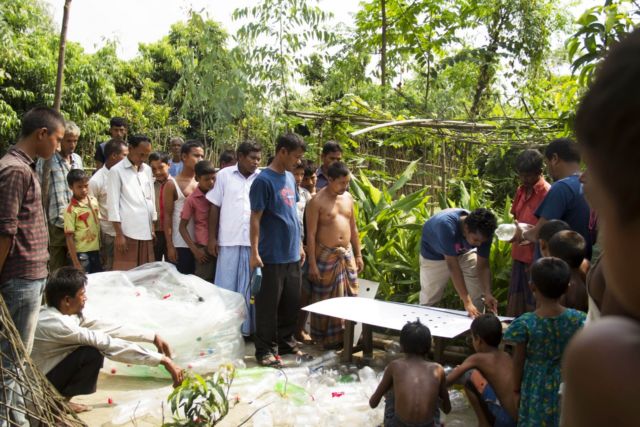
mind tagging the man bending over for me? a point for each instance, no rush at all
(69, 348)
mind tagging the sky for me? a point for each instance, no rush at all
(131, 22)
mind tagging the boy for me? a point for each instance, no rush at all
(547, 231)
(488, 375)
(303, 194)
(570, 247)
(415, 385)
(309, 178)
(81, 224)
(197, 207)
(159, 163)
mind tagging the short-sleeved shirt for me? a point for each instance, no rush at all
(322, 180)
(231, 195)
(98, 189)
(58, 188)
(22, 218)
(523, 210)
(442, 235)
(82, 220)
(565, 200)
(274, 194)
(175, 168)
(197, 207)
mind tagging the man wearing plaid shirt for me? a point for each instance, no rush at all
(56, 194)
(23, 241)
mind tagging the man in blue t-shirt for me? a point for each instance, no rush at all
(565, 199)
(456, 244)
(276, 246)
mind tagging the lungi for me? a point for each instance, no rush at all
(138, 252)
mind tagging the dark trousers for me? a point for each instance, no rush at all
(160, 246)
(277, 307)
(186, 261)
(78, 372)
(90, 261)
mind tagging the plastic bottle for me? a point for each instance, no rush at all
(505, 232)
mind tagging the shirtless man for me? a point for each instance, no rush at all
(178, 251)
(333, 249)
(488, 375)
(413, 387)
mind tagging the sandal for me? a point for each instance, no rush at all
(270, 361)
(300, 355)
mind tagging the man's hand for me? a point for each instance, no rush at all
(212, 247)
(517, 237)
(172, 254)
(200, 255)
(491, 303)
(359, 263)
(314, 273)
(120, 243)
(471, 309)
(162, 346)
(303, 255)
(255, 261)
(174, 370)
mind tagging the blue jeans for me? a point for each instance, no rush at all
(22, 298)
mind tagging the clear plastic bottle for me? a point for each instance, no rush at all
(505, 232)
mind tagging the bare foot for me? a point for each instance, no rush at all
(304, 337)
(78, 407)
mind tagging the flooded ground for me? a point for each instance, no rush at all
(130, 401)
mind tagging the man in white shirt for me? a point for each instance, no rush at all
(229, 225)
(114, 151)
(69, 348)
(132, 207)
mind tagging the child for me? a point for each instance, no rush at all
(415, 385)
(540, 338)
(197, 207)
(309, 178)
(492, 399)
(82, 224)
(304, 196)
(570, 247)
(547, 231)
(159, 163)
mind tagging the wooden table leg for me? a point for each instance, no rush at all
(347, 351)
(438, 349)
(367, 340)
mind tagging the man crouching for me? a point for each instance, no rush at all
(69, 348)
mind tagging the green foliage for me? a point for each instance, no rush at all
(201, 401)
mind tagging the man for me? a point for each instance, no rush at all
(229, 225)
(117, 130)
(175, 164)
(114, 151)
(159, 163)
(227, 158)
(565, 199)
(333, 249)
(132, 210)
(456, 244)
(23, 239)
(56, 194)
(174, 194)
(331, 153)
(69, 347)
(277, 248)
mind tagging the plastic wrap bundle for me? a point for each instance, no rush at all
(200, 321)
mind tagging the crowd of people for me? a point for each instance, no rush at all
(296, 223)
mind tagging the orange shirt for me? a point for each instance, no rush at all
(523, 209)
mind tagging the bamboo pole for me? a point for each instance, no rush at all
(57, 99)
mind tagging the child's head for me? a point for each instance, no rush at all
(547, 231)
(159, 163)
(309, 178)
(569, 246)
(550, 276)
(205, 175)
(78, 182)
(415, 338)
(488, 329)
(298, 173)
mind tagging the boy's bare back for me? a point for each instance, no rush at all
(417, 384)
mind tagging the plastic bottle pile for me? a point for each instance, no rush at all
(201, 322)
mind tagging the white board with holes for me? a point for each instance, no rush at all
(443, 323)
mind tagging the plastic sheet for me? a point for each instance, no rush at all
(200, 321)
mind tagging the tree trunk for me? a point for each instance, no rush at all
(383, 48)
(63, 44)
